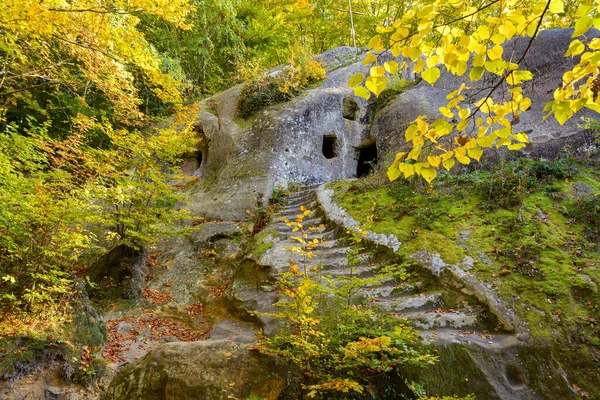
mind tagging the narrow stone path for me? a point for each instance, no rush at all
(424, 307)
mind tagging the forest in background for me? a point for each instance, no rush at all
(80, 83)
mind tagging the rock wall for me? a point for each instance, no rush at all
(244, 160)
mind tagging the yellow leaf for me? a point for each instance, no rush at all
(411, 132)
(391, 66)
(575, 48)
(429, 174)
(399, 156)
(464, 113)
(521, 137)
(446, 112)
(516, 146)
(495, 53)
(461, 155)
(377, 72)
(393, 173)
(426, 12)
(582, 25)
(476, 73)
(431, 75)
(375, 84)
(356, 80)
(361, 91)
(406, 169)
(369, 59)
(556, 7)
(376, 43)
(487, 141)
(475, 153)
(434, 160)
(448, 164)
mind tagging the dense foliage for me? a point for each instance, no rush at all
(467, 37)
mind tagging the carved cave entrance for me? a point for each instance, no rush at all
(367, 159)
(330, 146)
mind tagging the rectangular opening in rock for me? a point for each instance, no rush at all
(367, 159)
(330, 146)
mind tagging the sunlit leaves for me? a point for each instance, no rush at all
(431, 75)
(556, 6)
(376, 84)
(356, 80)
(434, 43)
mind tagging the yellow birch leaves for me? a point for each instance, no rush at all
(469, 37)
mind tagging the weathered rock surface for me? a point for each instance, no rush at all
(243, 161)
(545, 59)
(212, 369)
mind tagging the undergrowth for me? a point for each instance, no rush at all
(263, 90)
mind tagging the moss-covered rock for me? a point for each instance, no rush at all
(209, 369)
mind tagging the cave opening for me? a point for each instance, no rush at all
(330, 146)
(199, 159)
(367, 159)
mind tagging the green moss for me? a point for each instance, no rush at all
(534, 251)
(258, 246)
(455, 373)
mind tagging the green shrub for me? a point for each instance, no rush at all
(266, 90)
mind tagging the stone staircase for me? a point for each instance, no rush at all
(424, 307)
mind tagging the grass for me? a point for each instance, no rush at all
(531, 243)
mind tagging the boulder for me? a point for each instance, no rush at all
(212, 369)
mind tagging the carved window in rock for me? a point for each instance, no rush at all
(330, 143)
(367, 159)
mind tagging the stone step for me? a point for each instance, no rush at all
(360, 271)
(300, 201)
(321, 234)
(311, 204)
(314, 221)
(387, 290)
(422, 302)
(469, 336)
(300, 193)
(462, 319)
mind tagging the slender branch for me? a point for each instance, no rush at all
(92, 10)
(28, 88)
(507, 74)
(90, 48)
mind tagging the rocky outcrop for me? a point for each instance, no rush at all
(319, 135)
(212, 369)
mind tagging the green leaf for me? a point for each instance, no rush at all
(431, 75)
